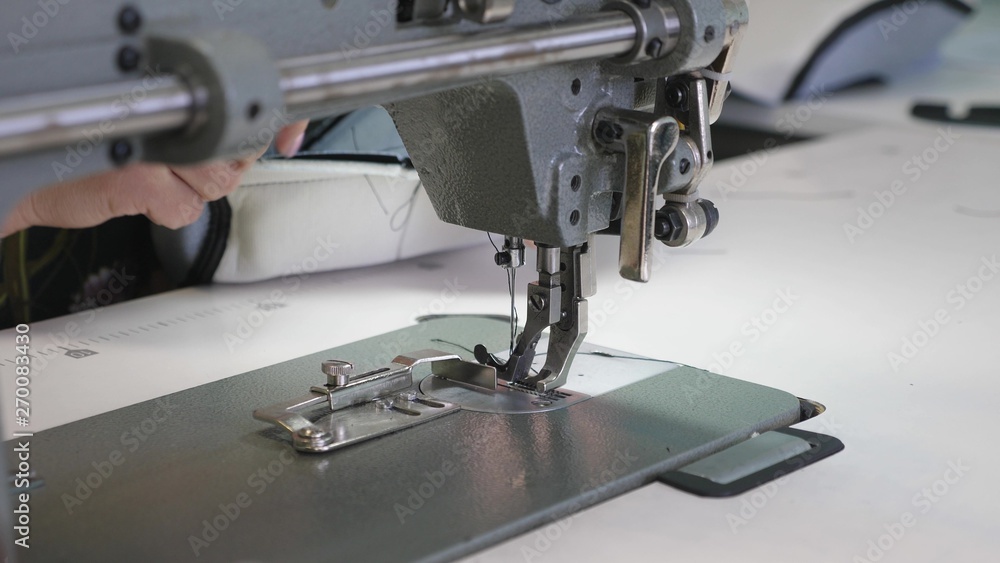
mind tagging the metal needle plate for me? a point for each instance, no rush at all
(506, 399)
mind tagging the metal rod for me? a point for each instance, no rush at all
(375, 76)
(92, 115)
(390, 74)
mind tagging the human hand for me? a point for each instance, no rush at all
(171, 196)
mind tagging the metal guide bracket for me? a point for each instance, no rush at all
(364, 406)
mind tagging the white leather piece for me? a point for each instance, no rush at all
(783, 35)
(292, 217)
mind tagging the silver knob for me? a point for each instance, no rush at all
(338, 372)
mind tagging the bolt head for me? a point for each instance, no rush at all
(669, 225)
(128, 59)
(120, 152)
(338, 367)
(654, 47)
(608, 132)
(129, 19)
(676, 96)
(313, 434)
(338, 372)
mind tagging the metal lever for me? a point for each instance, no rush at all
(647, 141)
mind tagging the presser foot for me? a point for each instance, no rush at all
(557, 302)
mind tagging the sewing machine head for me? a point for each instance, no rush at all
(546, 121)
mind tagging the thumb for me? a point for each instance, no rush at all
(290, 139)
(140, 189)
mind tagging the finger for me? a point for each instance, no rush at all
(151, 190)
(217, 179)
(290, 139)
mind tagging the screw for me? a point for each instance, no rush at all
(709, 34)
(541, 403)
(408, 396)
(313, 434)
(537, 302)
(338, 372)
(654, 47)
(128, 58)
(676, 96)
(608, 132)
(121, 152)
(253, 110)
(129, 20)
(685, 166)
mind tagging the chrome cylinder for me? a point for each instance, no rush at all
(376, 75)
(93, 114)
(382, 76)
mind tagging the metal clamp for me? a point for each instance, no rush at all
(370, 404)
(658, 30)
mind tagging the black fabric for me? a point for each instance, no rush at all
(50, 272)
(220, 219)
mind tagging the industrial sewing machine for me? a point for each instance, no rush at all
(540, 120)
